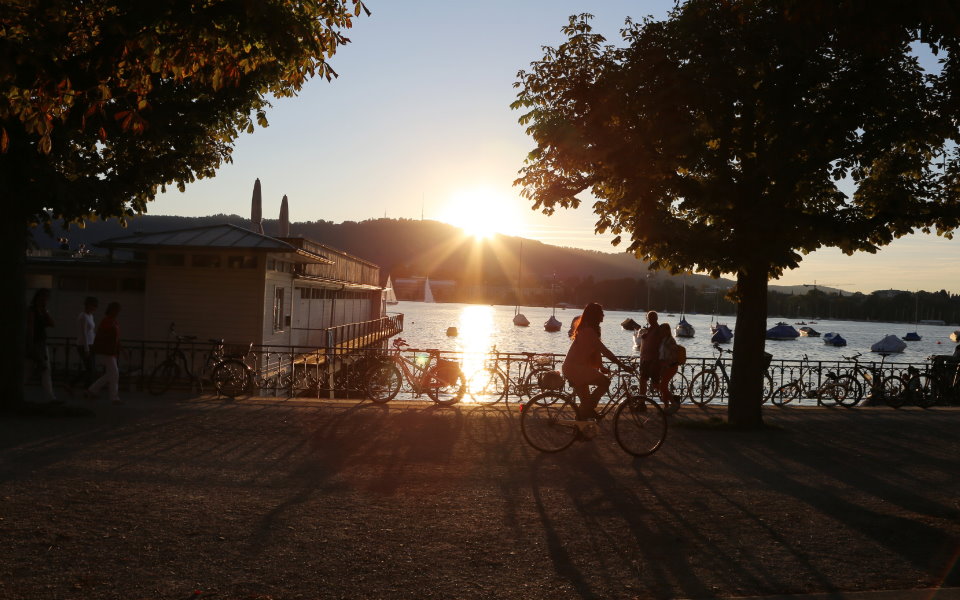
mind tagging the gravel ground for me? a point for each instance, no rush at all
(264, 499)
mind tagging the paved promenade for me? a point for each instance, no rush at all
(265, 499)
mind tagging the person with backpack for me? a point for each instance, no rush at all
(583, 365)
(650, 340)
(672, 355)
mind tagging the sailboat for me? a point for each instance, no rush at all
(913, 336)
(553, 324)
(684, 329)
(389, 296)
(518, 317)
(427, 292)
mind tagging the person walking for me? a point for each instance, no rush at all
(107, 345)
(38, 320)
(583, 365)
(86, 334)
(650, 341)
(668, 368)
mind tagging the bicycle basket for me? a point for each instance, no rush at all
(551, 380)
(543, 360)
(447, 371)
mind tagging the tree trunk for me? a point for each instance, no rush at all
(13, 243)
(746, 381)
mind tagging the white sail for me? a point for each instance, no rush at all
(427, 293)
(389, 296)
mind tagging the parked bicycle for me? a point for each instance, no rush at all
(549, 422)
(944, 380)
(882, 386)
(228, 373)
(706, 384)
(442, 380)
(494, 383)
(833, 390)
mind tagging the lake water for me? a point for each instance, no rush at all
(482, 326)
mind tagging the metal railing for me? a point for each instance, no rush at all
(340, 371)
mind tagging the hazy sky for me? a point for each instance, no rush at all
(419, 123)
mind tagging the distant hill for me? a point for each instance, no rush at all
(405, 247)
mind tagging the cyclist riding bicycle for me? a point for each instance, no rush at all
(583, 365)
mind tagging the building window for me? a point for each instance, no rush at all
(205, 261)
(170, 260)
(132, 284)
(317, 294)
(278, 309)
(304, 293)
(102, 284)
(242, 262)
(71, 283)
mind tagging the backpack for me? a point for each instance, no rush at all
(671, 352)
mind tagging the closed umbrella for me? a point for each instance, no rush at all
(284, 218)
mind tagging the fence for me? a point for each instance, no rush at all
(341, 370)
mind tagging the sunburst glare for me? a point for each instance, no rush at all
(483, 212)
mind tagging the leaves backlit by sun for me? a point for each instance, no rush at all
(481, 213)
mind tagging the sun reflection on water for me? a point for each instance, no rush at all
(475, 337)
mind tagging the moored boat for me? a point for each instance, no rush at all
(834, 339)
(809, 332)
(721, 334)
(782, 331)
(955, 336)
(913, 336)
(552, 324)
(684, 329)
(890, 344)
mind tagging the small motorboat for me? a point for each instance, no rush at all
(955, 336)
(721, 334)
(809, 332)
(890, 344)
(782, 331)
(913, 336)
(834, 339)
(684, 329)
(630, 325)
(552, 324)
(452, 332)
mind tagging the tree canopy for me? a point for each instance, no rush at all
(105, 102)
(727, 138)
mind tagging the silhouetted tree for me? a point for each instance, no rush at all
(714, 140)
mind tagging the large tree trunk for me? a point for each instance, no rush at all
(746, 381)
(13, 242)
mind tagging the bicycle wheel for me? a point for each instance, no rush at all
(679, 385)
(768, 388)
(831, 392)
(639, 426)
(443, 389)
(382, 383)
(531, 383)
(487, 386)
(232, 377)
(920, 390)
(893, 391)
(854, 391)
(548, 421)
(704, 387)
(785, 394)
(162, 377)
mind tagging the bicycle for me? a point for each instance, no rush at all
(883, 387)
(944, 380)
(442, 380)
(918, 387)
(492, 383)
(679, 383)
(228, 373)
(706, 385)
(830, 392)
(548, 421)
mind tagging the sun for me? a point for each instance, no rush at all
(481, 213)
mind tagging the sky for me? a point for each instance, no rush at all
(418, 124)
